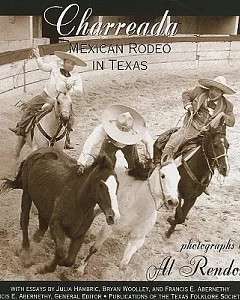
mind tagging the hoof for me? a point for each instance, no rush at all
(167, 235)
(25, 258)
(81, 269)
(43, 269)
(123, 266)
(65, 262)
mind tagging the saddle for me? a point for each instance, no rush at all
(184, 150)
(142, 170)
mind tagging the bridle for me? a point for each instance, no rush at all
(215, 158)
(161, 186)
(210, 165)
(56, 138)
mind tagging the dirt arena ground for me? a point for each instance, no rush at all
(156, 94)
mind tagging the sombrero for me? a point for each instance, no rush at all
(123, 124)
(219, 82)
(70, 56)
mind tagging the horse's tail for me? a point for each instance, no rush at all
(12, 184)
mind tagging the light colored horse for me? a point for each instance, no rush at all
(51, 129)
(139, 203)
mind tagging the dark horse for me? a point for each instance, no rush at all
(64, 199)
(196, 172)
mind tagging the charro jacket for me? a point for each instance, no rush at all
(199, 99)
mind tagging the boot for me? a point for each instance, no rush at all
(206, 191)
(18, 131)
(13, 129)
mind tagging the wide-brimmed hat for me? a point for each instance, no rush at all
(219, 82)
(70, 56)
(123, 124)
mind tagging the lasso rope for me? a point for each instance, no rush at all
(21, 69)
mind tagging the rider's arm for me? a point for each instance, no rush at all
(229, 116)
(190, 97)
(46, 67)
(148, 141)
(42, 65)
(94, 139)
(77, 87)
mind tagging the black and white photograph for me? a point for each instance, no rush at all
(120, 144)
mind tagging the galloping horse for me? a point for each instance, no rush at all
(65, 200)
(139, 203)
(196, 172)
(50, 129)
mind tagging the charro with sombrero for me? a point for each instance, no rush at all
(122, 128)
(205, 105)
(62, 79)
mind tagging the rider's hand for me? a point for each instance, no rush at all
(68, 87)
(36, 52)
(69, 83)
(81, 169)
(189, 108)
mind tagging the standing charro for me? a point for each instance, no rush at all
(62, 79)
(206, 105)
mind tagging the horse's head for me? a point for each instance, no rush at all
(106, 187)
(63, 107)
(215, 146)
(166, 178)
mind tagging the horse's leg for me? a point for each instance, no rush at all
(24, 222)
(88, 237)
(137, 238)
(173, 221)
(58, 236)
(43, 226)
(180, 215)
(73, 250)
(186, 208)
(134, 243)
(103, 235)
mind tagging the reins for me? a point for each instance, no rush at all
(150, 189)
(56, 138)
(52, 140)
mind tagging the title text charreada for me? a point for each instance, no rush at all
(71, 13)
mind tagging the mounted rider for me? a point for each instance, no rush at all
(122, 128)
(62, 79)
(205, 106)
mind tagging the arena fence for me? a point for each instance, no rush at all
(19, 72)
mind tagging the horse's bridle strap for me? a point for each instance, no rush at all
(48, 137)
(150, 189)
(190, 173)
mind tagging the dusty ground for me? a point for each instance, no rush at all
(156, 94)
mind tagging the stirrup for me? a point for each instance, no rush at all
(206, 191)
